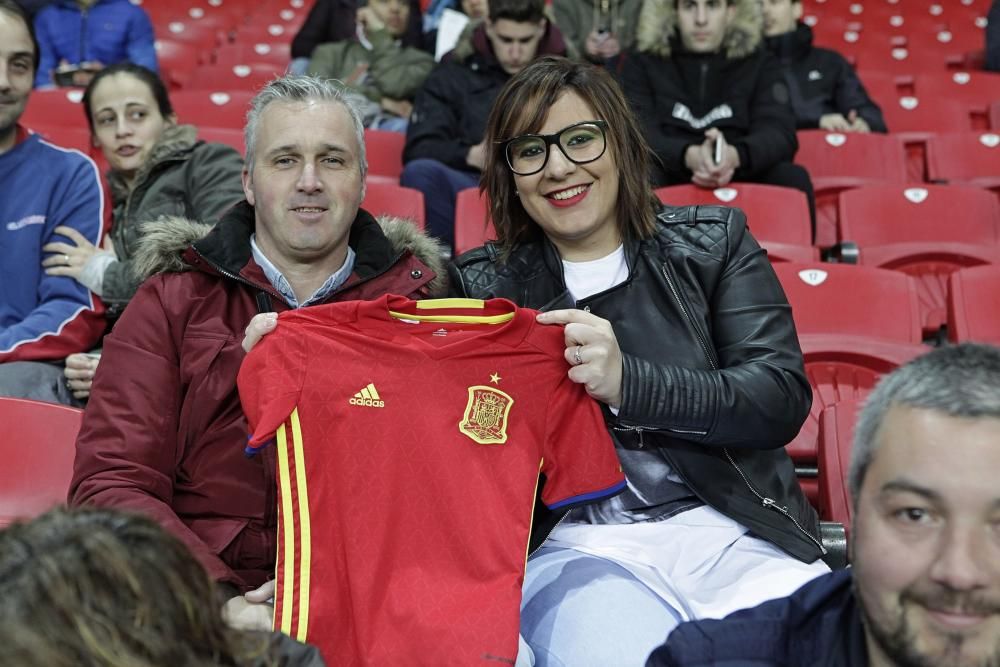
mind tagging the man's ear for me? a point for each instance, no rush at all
(797, 10)
(248, 186)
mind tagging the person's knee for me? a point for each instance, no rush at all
(590, 611)
(790, 175)
(422, 172)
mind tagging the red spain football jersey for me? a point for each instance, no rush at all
(410, 436)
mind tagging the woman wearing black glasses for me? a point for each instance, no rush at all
(677, 324)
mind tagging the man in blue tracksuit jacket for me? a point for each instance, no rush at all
(92, 31)
(46, 192)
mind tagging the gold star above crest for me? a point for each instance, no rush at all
(495, 378)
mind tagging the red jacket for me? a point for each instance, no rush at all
(164, 432)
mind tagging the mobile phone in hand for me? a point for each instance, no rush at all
(717, 153)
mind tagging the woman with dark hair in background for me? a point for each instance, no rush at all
(108, 589)
(675, 321)
(157, 168)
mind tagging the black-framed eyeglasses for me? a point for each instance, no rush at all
(580, 142)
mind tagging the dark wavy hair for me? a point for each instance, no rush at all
(102, 588)
(522, 107)
(152, 80)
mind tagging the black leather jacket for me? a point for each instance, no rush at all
(713, 375)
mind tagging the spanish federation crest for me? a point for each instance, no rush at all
(485, 419)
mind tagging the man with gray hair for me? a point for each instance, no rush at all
(924, 589)
(164, 432)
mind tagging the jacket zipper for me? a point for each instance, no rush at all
(771, 504)
(768, 503)
(83, 37)
(702, 84)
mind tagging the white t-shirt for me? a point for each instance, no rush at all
(585, 279)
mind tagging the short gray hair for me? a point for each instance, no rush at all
(294, 88)
(958, 380)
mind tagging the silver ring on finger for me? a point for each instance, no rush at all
(577, 359)
(66, 259)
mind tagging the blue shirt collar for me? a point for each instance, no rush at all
(279, 282)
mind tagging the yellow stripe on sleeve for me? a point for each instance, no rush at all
(305, 544)
(288, 532)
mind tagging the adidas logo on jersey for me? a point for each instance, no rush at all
(368, 398)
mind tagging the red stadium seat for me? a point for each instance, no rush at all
(38, 446)
(838, 161)
(927, 231)
(201, 36)
(885, 56)
(840, 368)
(177, 59)
(384, 151)
(257, 32)
(223, 135)
(974, 90)
(239, 77)
(391, 199)
(215, 108)
(824, 300)
(778, 217)
(832, 322)
(974, 304)
(995, 115)
(55, 106)
(836, 438)
(230, 55)
(915, 119)
(968, 158)
(472, 224)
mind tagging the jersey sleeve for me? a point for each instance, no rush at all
(270, 381)
(579, 459)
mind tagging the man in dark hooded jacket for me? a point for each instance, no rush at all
(444, 141)
(823, 88)
(712, 101)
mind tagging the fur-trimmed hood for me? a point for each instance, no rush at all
(164, 242)
(658, 26)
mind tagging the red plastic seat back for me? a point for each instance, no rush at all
(969, 157)
(974, 304)
(883, 214)
(39, 444)
(250, 77)
(773, 213)
(390, 199)
(837, 161)
(213, 107)
(836, 439)
(827, 299)
(56, 106)
(472, 224)
(384, 151)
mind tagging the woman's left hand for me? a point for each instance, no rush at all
(592, 351)
(68, 259)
